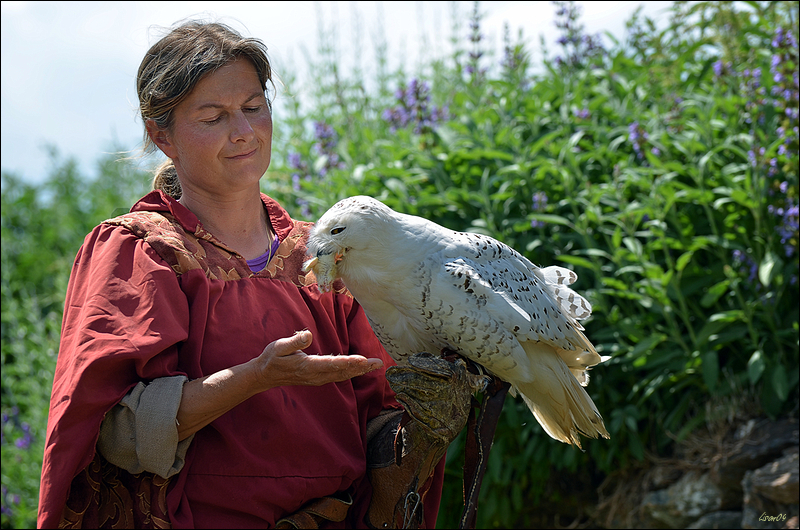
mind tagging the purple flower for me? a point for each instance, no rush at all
(582, 113)
(539, 200)
(751, 156)
(323, 131)
(473, 68)
(778, 39)
(789, 224)
(745, 265)
(513, 56)
(326, 143)
(638, 137)
(413, 107)
(580, 48)
(633, 130)
(539, 203)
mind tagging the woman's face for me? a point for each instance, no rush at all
(221, 136)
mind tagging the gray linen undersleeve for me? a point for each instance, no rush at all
(141, 433)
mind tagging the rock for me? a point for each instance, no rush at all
(778, 481)
(723, 519)
(758, 443)
(771, 494)
(693, 496)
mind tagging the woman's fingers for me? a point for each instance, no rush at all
(285, 363)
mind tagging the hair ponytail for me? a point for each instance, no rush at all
(166, 180)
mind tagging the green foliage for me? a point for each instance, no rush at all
(662, 168)
(42, 228)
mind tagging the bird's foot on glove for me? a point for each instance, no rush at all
(436, 392)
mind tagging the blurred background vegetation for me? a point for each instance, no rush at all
(662, 166)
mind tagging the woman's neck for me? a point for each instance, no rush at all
(238, 220)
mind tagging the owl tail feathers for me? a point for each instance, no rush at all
(558, 402)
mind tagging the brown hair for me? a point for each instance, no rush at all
(172, 68)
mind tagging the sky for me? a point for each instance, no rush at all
(68, 68)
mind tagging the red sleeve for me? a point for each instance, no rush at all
(123, 317)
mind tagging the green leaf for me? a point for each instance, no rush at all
(575, 260)
(742, 197)
(727, 316)
(711, 370)
(683, 260)
(714, 292)
(645, 346)
(552, 219)
(716, 323)
(770, 266)
(397, 186)
(616, 239)
(755, 366)
(633, 245)
(617, 284)
(780, 384)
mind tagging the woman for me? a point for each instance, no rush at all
(167, 408)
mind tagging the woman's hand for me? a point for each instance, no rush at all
(282, 363)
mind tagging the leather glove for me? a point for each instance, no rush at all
(436, 393)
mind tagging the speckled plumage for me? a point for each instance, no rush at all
(425, 288)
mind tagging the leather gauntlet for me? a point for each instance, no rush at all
(436, 395)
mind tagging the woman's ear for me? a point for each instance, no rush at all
(159, 137)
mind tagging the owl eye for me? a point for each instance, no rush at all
(337, 230)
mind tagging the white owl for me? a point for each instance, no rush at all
(426, 288)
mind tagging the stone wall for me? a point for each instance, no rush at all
(748, 480)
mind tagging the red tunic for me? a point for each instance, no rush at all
(130, 317)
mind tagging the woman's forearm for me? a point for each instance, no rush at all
(208, 398)
(281, 363)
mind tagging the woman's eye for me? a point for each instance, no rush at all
(252, 109)
(215, 120)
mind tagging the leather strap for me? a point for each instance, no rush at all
(399, 489)
(480, 435)
(316, 511)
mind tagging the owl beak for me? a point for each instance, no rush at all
(310, 264)
(327, 252)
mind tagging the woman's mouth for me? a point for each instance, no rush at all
(243, 155)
